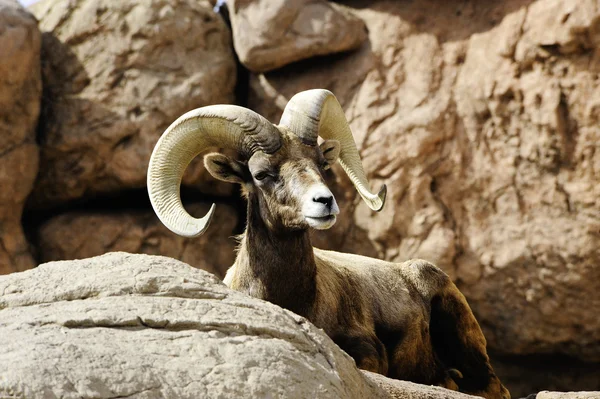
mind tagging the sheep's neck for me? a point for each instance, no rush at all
(277, 266)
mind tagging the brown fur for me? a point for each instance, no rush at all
(406, 321)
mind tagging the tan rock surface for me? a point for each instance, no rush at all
(147, 327)
(269, 34)
(116, 75)
(77, 235)
(482, 122)
(20, 94)
(531, 211)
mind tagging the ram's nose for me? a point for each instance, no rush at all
(329, 202)
(320, 202)
(326, 200)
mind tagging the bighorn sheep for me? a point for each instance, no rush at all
(407, 320)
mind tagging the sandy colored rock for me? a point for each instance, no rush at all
(116, 75)
(269, 34)
(530, 207)
(77, 235)
(482, 122)
(20, 94)
(147, 327)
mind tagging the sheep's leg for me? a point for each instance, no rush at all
(367, 351)
(413, 358)
(459, 343)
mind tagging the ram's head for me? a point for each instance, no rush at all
(280, 167)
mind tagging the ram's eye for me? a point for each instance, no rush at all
(325, 165)
(261, 175)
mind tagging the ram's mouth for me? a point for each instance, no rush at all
(321, 222)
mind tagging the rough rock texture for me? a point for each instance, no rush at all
(78, 235)
(116, 74)
(398, 389)
(20, 93)
(268, 34)
(568, 395)
(483, 122)
(531, 211)
(147, 327)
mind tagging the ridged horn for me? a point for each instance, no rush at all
(317, 112)
(224, 126)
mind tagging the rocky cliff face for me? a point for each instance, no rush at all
(139, 232)
(20, 90)
(488, 144)
(488, 141)
(115, 76)
(480, 117)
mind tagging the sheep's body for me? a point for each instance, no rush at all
(404, 320)
(407, 320)
(365, 296)
(358, 298)
(402, 311)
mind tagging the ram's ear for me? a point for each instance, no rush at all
(222, 167)
(331, 151)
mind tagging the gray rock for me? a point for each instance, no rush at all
(397, 389)
(147, 327)
(568, 395)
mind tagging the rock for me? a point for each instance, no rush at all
(529, 199)
(398, 389)
(20, 94)
(116, 75)
(77, 235)
(147, 327)
(483, 124)
(269, 34)
(568, 395)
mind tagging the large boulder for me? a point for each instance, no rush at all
(269, 34)
(116, 74)
(83, 234)
(20, 94)
(484, 125)
(140, 326)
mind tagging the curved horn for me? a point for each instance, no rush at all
(317, 112)
(225, 126)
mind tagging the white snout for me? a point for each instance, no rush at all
(319, 207)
